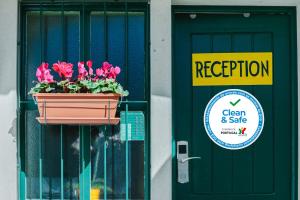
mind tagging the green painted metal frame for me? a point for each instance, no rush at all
(291, 11)
(23, 105)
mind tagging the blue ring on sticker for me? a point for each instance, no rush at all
(221, 143)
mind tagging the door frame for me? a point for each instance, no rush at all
(23, 104)
(291, 12)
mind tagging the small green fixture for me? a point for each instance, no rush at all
(135, 126)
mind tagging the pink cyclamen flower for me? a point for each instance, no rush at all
(89, 63)
(48, 77)
(108, 71)
(99, 72)
(117, 70)
(91, 71)
(39, 74)
(82, 73)
(112, 74)
(106, 66)
(43, 73)
(63, 69)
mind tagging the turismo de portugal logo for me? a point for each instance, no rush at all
(233, 119)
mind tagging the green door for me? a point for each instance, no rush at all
(267, 168)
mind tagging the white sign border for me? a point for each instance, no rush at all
(219, 142)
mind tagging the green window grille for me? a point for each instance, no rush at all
(66, 161)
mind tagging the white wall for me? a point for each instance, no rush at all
(8, 101)
(161, 112)
(161, 136)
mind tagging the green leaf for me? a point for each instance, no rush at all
(74, 88)
(49, 89)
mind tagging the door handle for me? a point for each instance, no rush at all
(182, 161)
(189, 158)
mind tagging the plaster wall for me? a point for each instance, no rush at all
(8, 99)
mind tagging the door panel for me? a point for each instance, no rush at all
(262, 170)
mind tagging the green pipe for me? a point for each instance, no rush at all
(127, 164)
(105, 175)
(61, 165)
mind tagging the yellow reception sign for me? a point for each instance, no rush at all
(232, 68)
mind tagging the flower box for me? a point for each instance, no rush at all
(81, 108)
(90, 98)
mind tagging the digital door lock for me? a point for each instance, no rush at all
(182, 161)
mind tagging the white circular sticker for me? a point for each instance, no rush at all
(233, 119)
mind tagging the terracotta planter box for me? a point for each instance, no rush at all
(85, 108)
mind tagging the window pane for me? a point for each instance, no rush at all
(32, 148)
(136, 56)
(116, 47)
(71, 161)
(49, 39)
(51, 159)
(111, 137)
(97, 45)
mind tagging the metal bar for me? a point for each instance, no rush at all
(63, 35)
(61, 127)
(105, 31)
(74, 3)
(126, 44)
(21, 91)
(81, 179)
(61, 164)
(21, 157)
(127, 164)
(106, 58)
(41, 153)
(41, 33)
(41, 163)
(82, 33)
(147, 97)
(85, 157)
(105, 170)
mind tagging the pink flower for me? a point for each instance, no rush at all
(56, 68)
(106, 66)
(91, 71)
(108, 71)
(44, 65)
(82, 73)
(99, 72)
(63, 69)
(43, 73)
(89, 63)
(117, 70)
(48, 77)
(112, 74)
(39, 74)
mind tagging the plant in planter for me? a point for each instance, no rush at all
(91, 98)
